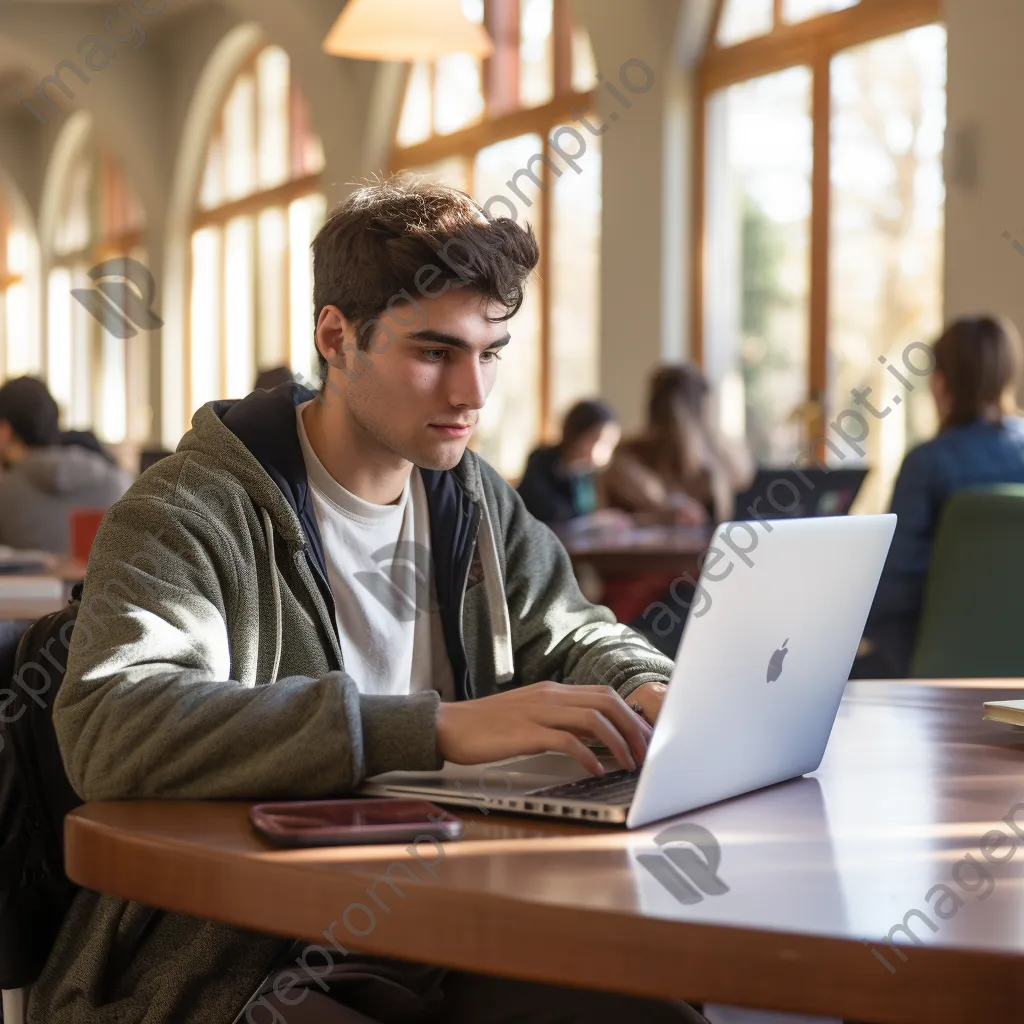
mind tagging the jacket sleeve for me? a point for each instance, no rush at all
(917, 499)
(556, 633)
(148, 706)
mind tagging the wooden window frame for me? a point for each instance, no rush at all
(505, 119)
(813, 44)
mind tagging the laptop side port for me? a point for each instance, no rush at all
(549, 808)
(529, 805)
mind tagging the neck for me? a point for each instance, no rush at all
(354, 459)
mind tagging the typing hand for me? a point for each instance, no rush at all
(688, 512)
(541, 717)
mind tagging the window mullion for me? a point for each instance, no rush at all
(821, 192)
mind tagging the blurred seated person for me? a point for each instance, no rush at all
(559, 486)
(680, 469)
(44, 479)
(975, 381)
(269, 379)
(89, 441)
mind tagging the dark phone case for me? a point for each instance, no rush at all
(326, 823)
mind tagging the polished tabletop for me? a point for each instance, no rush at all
(66, 570)
(627, 551)
(889, 841)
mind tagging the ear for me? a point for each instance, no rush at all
(330, 331)
(6, 433)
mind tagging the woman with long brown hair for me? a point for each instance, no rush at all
(680, 469)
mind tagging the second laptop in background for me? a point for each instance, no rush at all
(799, 493)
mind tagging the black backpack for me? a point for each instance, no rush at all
(35, 795)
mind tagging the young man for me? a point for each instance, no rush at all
(313, 590)
(45, 478)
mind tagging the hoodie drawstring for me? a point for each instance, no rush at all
(497, 603)
(275, 584)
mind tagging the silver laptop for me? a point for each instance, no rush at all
(767, 649)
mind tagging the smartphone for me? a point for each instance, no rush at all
(349, 822)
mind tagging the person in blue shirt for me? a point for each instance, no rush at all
(975, 381)
(559, 484)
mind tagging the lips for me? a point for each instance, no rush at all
(452, 429)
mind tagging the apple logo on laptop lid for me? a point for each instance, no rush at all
(775, 662)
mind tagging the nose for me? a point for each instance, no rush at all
(468, 386)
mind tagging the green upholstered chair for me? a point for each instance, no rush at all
(972, 622)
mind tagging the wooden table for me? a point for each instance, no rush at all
(818, 871)
(630, 552)
(67, 570)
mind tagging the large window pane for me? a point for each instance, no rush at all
(272, 73)
(454, 171)
(745, 19)
(74, 227)
(801, 10)
(757, 284)
(59, 302)
(240, 337)
(112, 420)
(887, 240)
(211, 189)
(584, 65)
(510, 423)
(536, 52)
(20, 356)
(240, 138)
(575, 271)
(304, 219)
(459, 96)
(414, 122)
(272, 293)
(205, 319)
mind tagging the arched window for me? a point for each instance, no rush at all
(820, 217)
(16, 347)
(258, 208)
(492, 129)
(98, 375)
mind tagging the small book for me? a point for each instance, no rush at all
(1009, 711)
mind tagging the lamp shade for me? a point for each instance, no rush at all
(405, 30)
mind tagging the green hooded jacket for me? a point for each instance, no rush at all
(205, 664)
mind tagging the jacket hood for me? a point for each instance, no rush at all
(67, 470)
(255, 440)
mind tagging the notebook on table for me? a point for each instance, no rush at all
(1009, 711)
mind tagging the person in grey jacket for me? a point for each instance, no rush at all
(44, 478)
(317, 588)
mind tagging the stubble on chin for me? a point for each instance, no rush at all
(447, 457)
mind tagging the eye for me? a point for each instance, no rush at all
(494, 357)
(434, 355)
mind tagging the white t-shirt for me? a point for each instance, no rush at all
(380, 571)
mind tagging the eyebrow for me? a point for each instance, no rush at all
(439, 337)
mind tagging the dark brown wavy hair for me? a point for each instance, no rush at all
(408, 236)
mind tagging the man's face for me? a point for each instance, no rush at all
(418, 389)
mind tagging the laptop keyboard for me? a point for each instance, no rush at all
(614, 788)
